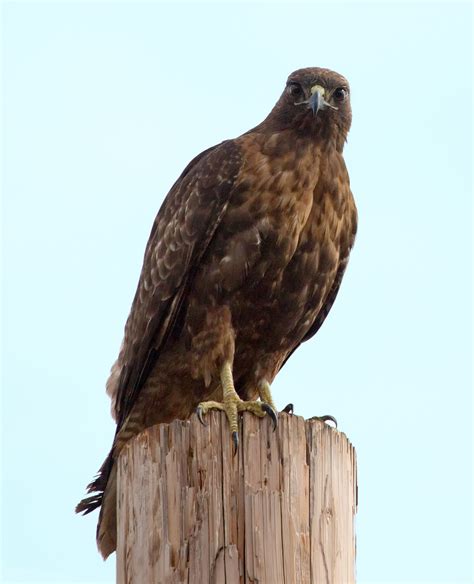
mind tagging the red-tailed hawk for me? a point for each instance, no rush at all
(243, 264)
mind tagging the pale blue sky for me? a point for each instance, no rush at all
(104, 104)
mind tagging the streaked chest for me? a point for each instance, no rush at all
(276, 191)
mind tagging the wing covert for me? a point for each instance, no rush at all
(181, 233)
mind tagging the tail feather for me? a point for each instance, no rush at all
(97, 486)
(107, 524)
(89, 504)
(101, 488)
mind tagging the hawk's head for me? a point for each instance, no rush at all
(317, 101)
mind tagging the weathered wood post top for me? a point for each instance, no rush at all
(279, 512)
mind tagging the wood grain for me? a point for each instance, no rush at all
(280, 512)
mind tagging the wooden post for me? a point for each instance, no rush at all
(280, 512)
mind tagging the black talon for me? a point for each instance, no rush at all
(288, 409)
(199, 415)
(328, 418)
(235, 440)
(271, 412)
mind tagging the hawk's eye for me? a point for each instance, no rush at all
(295, 90)
(340, 94)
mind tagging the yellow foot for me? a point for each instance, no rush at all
(232, 404)
(266, 394)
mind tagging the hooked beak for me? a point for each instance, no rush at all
(317, 102)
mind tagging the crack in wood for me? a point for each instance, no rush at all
(280, 512)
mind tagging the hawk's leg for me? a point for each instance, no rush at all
(265, 394)
(232, 404)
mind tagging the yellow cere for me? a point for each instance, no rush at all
(317, 88)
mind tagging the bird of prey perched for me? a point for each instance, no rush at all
(244, 261)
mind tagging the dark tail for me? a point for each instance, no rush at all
(105, 492)
(97, 486)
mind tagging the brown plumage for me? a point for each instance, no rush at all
(243, 264)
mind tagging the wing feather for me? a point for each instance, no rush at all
(180, 235)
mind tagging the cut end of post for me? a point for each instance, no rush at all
(281, 510)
